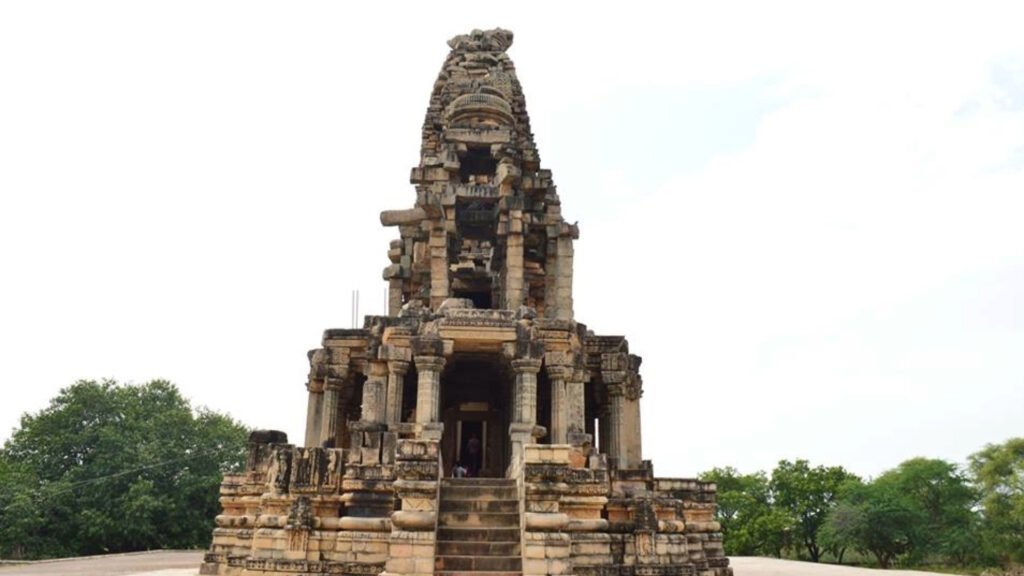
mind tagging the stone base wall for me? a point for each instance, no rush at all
(374, 509)
(587, 520)
(306, 510)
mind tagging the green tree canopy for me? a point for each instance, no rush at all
(998, 470)
(114, 468)
(876, 518)
(750, 524)
(807, 495)
(942, 497)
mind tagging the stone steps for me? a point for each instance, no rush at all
(478, 528)
(476, 573)
(474, 519)
(477, 548)
(507, 534)
(478, 563)
(482, 491)
(478, 505)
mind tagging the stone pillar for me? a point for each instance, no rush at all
(314, 410)
(559, 375)
(523, 429)
(632, 456)
(374, 393)
(624, 419)
(514, 260)
(428, 388)
(551, 279)
(329, 416)
(396, 385)
(438, 267)
(524, 410)
(394, 296)
(616, 439)
(604, 425)
(563, 280)
(575, 391)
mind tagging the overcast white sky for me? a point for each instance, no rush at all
(806, 218)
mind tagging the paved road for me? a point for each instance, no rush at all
(162, 563)
(181, 563)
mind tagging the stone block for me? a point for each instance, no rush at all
(535, 567)
(424, 565)
(417, 450)
(556, 552)
(400, 565)
(534, 551)
(370, 456)
(401, 550)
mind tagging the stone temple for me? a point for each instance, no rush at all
(479, 370)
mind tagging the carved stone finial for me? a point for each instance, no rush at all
(496, 40)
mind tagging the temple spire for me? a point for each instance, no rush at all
(487, 224)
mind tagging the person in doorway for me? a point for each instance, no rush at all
(473, 455)
(459, 471)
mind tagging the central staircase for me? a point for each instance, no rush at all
(478, 528)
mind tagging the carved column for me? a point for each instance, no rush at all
(394, 296)
(438, 267)
(525, 404)
(563, 280)
(575, 390)
(396, 385)
(329, 416)
(551, 278)
(631, 455)
(524, 411)
(428, 388)
(514, 260)
(314, 410)
(615, 448)
(604, 438)
(374, 392)
(559, 375)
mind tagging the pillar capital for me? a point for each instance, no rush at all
(378, 368)
(429, 363)
(315, 385)
(332, 384)
(337, 371)
(615, 389)
(526, 365)
(559, 372)
(398, 367)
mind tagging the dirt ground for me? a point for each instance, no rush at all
(186, 563)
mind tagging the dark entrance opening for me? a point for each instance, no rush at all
(475, 388)
(471, 446)
(477, 166)
(481, 298)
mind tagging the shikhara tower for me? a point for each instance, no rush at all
(479, 366)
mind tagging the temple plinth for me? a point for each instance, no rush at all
(477, 427)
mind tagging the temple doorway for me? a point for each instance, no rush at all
(475, 392)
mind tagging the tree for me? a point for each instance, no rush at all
(114, 468)
(876, 518)
(750, 525)
(998, 471)
(807, 495)
(841, 529)
(943, 498)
